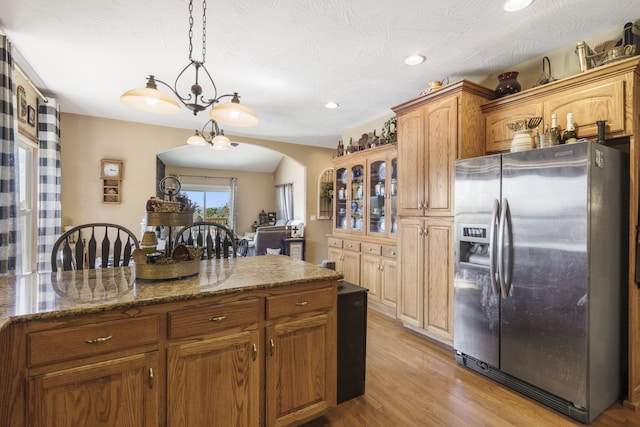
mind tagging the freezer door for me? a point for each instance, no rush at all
(544, 308)
(476, 315)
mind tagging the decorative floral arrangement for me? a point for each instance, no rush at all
(389, 132)
(327, 190)
(182, 203)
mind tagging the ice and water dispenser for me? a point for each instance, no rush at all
(473, 244)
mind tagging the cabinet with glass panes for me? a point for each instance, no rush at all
(366, 192)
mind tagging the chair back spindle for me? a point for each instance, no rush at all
(72, 252)
(216, 240)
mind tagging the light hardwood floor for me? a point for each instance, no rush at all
(412, 381)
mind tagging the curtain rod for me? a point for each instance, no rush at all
(44, 98)
(205, 176)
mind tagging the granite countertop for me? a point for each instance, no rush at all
(52, 295)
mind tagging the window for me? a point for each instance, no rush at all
(27, 155)
(214, 204)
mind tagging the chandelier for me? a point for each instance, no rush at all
(149, 98)
(214, 137)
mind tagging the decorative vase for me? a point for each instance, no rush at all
(522, 140)
(508, 84)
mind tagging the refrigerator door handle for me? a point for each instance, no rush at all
(492, 246)
(501, 269)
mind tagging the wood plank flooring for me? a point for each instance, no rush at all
(412, 381)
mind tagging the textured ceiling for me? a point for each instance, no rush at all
(287, 58)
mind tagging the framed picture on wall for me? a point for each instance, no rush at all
(31, 115)
(22, 104)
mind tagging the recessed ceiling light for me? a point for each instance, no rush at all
(414, 59)
(515, 5)
(331, 105)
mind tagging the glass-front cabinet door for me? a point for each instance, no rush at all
(357, 206)
(377, 196)
(383, 190)
(340, 195)
(393, 198)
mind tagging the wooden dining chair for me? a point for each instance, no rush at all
(243, 247)
(93, 245)
(216, 240)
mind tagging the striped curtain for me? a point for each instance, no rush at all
(49, 218)
(8, 147)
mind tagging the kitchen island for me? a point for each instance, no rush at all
(98, 347)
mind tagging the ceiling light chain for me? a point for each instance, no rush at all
(204, 30)
(151, 99)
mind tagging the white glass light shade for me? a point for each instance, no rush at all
(221, 140)
(196, 140)
(233, 114)
(151, 100)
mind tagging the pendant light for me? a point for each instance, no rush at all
(149, 98)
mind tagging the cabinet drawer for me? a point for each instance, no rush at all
(214, 318)
(389, 251)
(58, 345)
(370, 248)
(335, 243)
(300, 302)
(351, 245)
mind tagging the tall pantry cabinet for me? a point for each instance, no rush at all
(433, 132)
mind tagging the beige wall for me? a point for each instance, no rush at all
(367, 127)
(85, 140)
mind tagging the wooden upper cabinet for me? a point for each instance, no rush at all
(441, 132)
(597, 101)
(434, 131)
(603, 93)
(498, 135)
(411, 158)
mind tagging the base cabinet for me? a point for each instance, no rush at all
(379, 275)
(426, 275)
(214, 382)
(120, 392)
(200, 362)
(347, 263)
(300, 356)
(371, 264)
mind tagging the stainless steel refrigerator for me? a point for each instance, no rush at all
(540, 273)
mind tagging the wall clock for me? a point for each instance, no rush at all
(111, 169)
(111, 176)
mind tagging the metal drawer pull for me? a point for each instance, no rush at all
(151, 377)
(302, 303)
(99, 340)
(217, 319)
(255, 351)
(272, 345)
